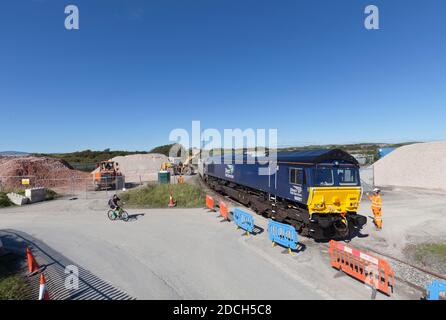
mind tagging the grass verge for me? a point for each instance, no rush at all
(431, 255)
(157, 196)
(4, 200)
(430, 249)
(13, 285)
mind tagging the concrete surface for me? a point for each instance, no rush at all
(187, 253)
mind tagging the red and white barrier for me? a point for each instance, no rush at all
(357, 253)
(369, 269)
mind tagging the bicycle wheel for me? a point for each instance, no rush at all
(124, 216)
(111, 215)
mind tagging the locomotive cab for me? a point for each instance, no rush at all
(333, 199)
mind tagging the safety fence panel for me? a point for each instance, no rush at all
(210, 202)
(282, 234)
(436, 290)
(371, 270)
(223, 210)
(243, 220)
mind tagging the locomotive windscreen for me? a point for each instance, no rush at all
(327, 176)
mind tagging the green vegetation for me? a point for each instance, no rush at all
(436, 251)
(12, 284)
(50, 194)
(165, 149)
(86, 160)
(157, 196)
(4, 200)
(431, 255)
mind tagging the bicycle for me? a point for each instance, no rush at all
(118, 213)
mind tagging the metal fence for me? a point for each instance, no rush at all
(77, 186)
(69, 187)
(367, 178)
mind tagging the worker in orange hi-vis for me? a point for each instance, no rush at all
(376, 206)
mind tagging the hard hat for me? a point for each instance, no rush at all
(376, 190)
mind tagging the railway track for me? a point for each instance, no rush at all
(413, 276)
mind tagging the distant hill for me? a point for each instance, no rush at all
(86, 160)
(13, 153)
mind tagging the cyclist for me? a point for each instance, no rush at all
(114, 203)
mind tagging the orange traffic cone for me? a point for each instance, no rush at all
(43, 292)
(171, 202)
(33, 267)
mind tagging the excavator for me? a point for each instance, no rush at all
(181, 168)
(107, 175)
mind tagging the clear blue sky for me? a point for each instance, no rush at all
(137, 69)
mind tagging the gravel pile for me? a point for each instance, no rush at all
(52, 171)
(419, 165)
(140, 167)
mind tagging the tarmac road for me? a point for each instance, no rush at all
(182, 254)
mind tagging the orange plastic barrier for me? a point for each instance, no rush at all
(210, 202)
(224, 210)
(371, 270)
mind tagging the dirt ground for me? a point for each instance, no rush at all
(411, 218)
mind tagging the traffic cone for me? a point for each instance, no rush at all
(43, 292)
(171, 202)
(33, 267)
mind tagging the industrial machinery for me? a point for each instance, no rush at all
(107, 176)
(316, 191)
(179, 168)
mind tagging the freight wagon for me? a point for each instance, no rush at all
(316, 191)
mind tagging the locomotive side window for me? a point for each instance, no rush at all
(297, 176)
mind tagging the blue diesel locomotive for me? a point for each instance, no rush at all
(316, 191)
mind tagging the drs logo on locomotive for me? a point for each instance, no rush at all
(296, 191)
(229, 171)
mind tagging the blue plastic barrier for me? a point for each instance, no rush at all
(282, 234)
(243, 220)
(435, 288)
